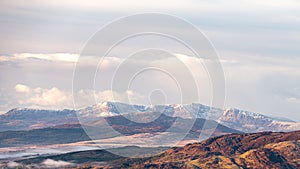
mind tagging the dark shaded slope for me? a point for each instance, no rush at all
(42, 136)
(163, 123)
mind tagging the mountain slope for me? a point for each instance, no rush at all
(256, 150)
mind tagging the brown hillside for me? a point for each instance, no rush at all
(255, 150)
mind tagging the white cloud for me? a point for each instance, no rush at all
(49, 163)
(192, 5)
(22, 88)
(105, 62)
(46, 98)
(50, 97)
(126, 96)
(63, 57)
(13, 164)
(54, 98)
(110, 62)
(84, 98)
(110, 5)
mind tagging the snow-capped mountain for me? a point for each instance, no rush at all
(234, 118)
(254, 122)
(193, 110)
(26, 119)
(23, 119)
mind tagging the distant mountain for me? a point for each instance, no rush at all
(234, 118)
(255, 122)
(193, 110)
(26, 119)
(74, 133)
(256, 150)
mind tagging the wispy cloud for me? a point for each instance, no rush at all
(114, 5)
(62, 57)
(12, 164)
(49, 163)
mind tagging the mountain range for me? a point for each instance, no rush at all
(237, 138)
(245, 121)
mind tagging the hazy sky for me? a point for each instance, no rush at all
(257, 42)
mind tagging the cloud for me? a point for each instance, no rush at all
(55, 98)
(35, 58)
(253, 82)
(22, 88)
(114, 5)
(110, 5)
(110, 61)
(62, 57)
(126, 96)
(50, 97)
(49, 163)
(293, 99)
(41, 97)
(65, 57)
(138, 93)
(12, 164)
(84, 98)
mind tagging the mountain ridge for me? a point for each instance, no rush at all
(17, 119)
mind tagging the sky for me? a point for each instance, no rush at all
(257, 43)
